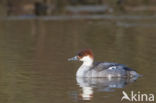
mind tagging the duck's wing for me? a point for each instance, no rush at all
(99, 66)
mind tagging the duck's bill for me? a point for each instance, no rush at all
(73, 58)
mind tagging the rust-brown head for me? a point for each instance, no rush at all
(85, 52)
(85, 55)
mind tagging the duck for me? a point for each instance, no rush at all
(89, 68)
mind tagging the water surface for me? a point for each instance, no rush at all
(34, 52)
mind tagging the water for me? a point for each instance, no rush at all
(34, 52)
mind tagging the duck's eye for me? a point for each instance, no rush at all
(80, 54)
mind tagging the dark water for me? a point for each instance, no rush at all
(34, 52)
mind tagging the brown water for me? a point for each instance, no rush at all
(34, 52)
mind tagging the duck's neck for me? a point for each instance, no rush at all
(84, 68)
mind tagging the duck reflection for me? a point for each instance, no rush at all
(87, 85)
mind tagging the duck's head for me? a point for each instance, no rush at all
(86, 56)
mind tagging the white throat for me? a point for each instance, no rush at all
(87, 63)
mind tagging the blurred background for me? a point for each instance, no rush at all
(37, 37)
(69, 7)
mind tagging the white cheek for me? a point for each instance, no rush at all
(87, 61)
(81, 59)
(86, 58)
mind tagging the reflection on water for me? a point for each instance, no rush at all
(101, 84)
